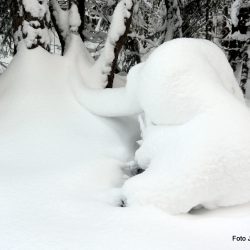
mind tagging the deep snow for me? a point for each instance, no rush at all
(60, 173)
(196, 139)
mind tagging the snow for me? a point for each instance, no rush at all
(32, 31)
(191, 144)
(99, 69)
(67, 20)
(74, 18)
(201, 163)
(60, 171)
(238, 36)
(62, 18)
(202, 60)
(235, 12)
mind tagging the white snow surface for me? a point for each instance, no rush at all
(60, 172)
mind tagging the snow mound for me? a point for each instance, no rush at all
(45, 133)
(181, 79)
(196, 141)
(196, 134)
(204, 162)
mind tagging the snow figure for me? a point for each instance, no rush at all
(196, 141)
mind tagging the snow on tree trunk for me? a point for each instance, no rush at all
(32, 23)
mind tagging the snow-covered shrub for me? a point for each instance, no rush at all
(196, 140)
(32, 23)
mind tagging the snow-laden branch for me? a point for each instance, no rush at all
(119, 28)
(235, 12)
(61, 18)
(104, 67)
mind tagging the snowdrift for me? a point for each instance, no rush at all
(196, 141)
(60, 174)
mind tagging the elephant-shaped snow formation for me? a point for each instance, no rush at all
(196, 141)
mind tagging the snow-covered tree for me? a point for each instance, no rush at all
(31, 23)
